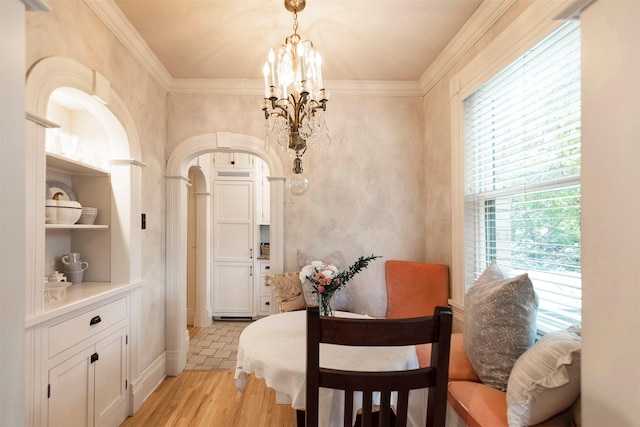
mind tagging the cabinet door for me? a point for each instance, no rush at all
(110, 380)
(233, 221)
(232, 160)
(242, 161)
(71, 385)
(232, 289)
(266, 201)
(263, 193)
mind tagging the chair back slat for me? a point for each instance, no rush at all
(348, 408)
(434, 329)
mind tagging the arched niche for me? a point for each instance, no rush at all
(92, 92)
(177, 337)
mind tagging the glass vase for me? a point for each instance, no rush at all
(326, 304)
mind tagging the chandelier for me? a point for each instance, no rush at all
(295, 100)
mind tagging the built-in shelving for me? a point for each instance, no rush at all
(77, 226)
(74, 167)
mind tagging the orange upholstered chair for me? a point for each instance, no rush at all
(414, 289)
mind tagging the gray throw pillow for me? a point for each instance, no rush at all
(500, 324)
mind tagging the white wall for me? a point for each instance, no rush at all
(611, 213)
(12, 221)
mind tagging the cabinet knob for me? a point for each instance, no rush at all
(267, 267)
(267, 303)
(94, 357)
(95, 320)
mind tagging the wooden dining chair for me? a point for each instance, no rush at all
(434, 329)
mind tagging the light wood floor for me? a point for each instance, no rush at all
(210, 398)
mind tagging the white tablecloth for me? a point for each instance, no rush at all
(274, 348)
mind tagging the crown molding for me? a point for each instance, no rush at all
(109, 13)
(256, 87)
(482, 19)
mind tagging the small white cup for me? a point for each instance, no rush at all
(70, 258)
(73, 267)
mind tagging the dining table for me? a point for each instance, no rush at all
(274, 348)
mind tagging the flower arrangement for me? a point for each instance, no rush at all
(326, 279)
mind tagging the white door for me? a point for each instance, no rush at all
(233, 221)
(233, 248)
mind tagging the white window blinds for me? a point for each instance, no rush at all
(522, 175)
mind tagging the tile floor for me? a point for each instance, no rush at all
(216, 346)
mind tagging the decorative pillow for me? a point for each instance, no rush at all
(545, 380)
(500, 324)
(288, 290)
(342, 298)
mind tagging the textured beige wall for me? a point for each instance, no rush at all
(367, 192)
(72, 30)
(437, 172)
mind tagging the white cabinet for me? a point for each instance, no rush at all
(233, 254)
(263, 193)
(232, 160)
(262, 290)
(87, 374)
(63, 386)
(232, 289)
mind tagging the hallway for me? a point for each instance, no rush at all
(215, 347)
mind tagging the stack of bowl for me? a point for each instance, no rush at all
(88, 215)
(62, 211)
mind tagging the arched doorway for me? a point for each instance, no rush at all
(176, 335)
(198, 242)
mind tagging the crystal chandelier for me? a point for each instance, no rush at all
(295, 100)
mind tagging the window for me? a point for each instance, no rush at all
(521, 148)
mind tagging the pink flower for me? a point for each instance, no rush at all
(320, 288)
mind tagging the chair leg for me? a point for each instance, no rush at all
(300, 418)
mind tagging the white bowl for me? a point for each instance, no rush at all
(68, 214)
(62, 211)
(87, 218)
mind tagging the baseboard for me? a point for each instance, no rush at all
(142, 387)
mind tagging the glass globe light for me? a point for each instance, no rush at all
(297, 183)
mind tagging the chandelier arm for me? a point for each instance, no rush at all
(282, 114)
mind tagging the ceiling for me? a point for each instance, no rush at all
(387, 40)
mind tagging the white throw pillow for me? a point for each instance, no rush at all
(500, 324)
(288, 290)
(545, 380)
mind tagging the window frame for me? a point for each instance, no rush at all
(530, 27)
